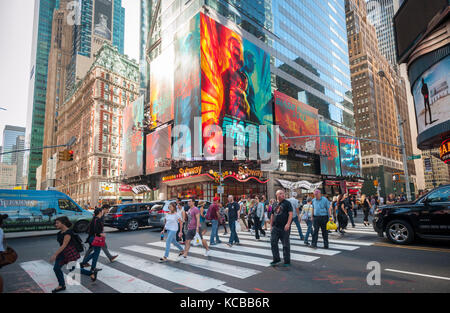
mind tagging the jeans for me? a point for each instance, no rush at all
(276, 235)
(320, 222)
(92, 256)
(171, 234)
(309, 230)
(297, 223)
(258, 228)
(57, 269)
(214, 232)
(350, 215)
(233, 235)
(104, 249)
(243, 220)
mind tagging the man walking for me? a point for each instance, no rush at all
(280, 223)
(295, 213)
(349, 207)
(194, 228)
(321, 215)
(233, 212)
(213, 215)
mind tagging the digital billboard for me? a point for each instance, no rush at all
(297, 119)
(161, 87)
(349, 149)
(432, 97)
(133, 139)
(103, 19)
(235, 76)
(187, 100)
(159, 152)
(329, 150)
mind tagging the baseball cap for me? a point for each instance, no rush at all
(216, 199)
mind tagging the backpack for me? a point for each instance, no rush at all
(76, 240)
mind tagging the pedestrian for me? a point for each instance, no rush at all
(250, 215)
(365, 205)
(321, 214)
(243, 211)
(280, 222)
(214, 216)
(270, 209)
(259, 216)
(105, 250)
(295, 203)
(265, 220)
(181, 236)
(223, 221)
(2, 244)
(233, 211)
(349, 207)
(173, 222)
(95, 232)
(194, 228)
(334, 203)
(203, 226)
(342, 214)
(306, 216)
(66, 253)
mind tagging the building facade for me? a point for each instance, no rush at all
(375, 106)
(7, 176)
(94, 114)
(437, 173)
(14, 139)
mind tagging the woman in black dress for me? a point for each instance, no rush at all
(341, 214)
(366, 209)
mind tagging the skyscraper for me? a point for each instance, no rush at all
(10, 135)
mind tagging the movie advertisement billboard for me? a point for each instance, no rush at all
(133, 139)
(432, 97)
(329, 150)
(349, 149)
(103, 19)
(235, 76)
(187, 101)
(161, 87)
(295, 119)
(159, 152)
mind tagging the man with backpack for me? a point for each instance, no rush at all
(213, 215)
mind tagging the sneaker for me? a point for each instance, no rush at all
(274, 263)
(237, 244)
(287, 264)
(162, 260)
(313, 247)
(306, 243)
(113, 258)
(83, 265)
(213, 244)
(208, 252)
(325, 247)
(219, 241)
(229, 245)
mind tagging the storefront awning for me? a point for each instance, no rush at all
(303, 184)
(189, 180)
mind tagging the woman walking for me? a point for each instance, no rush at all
(95, 233)
(342, 214)
(173, 220)
(66, 253)
(306, 216)
(365, 205)
(203, 226)
(222, 218)
(258, 217)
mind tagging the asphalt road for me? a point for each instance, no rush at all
(402, 268)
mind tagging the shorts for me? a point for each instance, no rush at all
(203, 226)
(191, 234)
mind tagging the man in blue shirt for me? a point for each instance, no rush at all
(321, 215)
(233, 213)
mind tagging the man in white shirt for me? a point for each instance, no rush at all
(296, 212)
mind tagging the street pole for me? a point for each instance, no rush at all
(402, 138)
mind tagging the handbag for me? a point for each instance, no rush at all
(98, 242)
(238, 226)
(8, 257)
(331, 225)
(197, 240)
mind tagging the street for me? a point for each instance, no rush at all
(420, 267)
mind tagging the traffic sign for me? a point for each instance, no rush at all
(415, 157)
(220, 189)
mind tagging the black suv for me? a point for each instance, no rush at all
(427, 217)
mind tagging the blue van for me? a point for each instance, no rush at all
(31, 210)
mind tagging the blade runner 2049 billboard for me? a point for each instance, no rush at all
(133, 139)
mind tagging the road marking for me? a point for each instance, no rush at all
(293, 247)
(227, 289)
(42, 273)
(300, 242)
(349, 231)
(430, 249)
(224, 255)
(417, 274)
(125, 283)
(170, 273)
(226, 269)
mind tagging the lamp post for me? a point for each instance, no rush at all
(382, 74)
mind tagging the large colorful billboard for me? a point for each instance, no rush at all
(235, 76)
(350, 157)
(159, 151)
(329, 150)
(161, 87)
(432, 96)
(297, 119)
(103, 19)
(187, 101)
(133, 139)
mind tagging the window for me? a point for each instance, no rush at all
(442, 195)
(129, 209)
(68, 205)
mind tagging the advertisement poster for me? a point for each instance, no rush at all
(235, 77)
(133, 139)
(329, 150)
(187, 101)
(159, 151)
(431, 96)
(161, 87)
(297, 119)
(350, 157)
(103, 19)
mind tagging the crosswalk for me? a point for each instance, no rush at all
(137, 269)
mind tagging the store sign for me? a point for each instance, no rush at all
(444, 151)
(184, 172)
(300, 184)
(107, 187)
(125, 188)
(140, 189)
(249, 172)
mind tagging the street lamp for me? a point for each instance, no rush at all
(382, 74)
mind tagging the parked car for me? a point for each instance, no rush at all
(34, 210)
(129, 216)
(158, 213)
(427, 217)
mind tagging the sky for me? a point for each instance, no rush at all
(16, 30)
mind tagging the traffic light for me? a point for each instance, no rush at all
(65, 155)
(61, 156)
(70, 155)
(284, 149)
